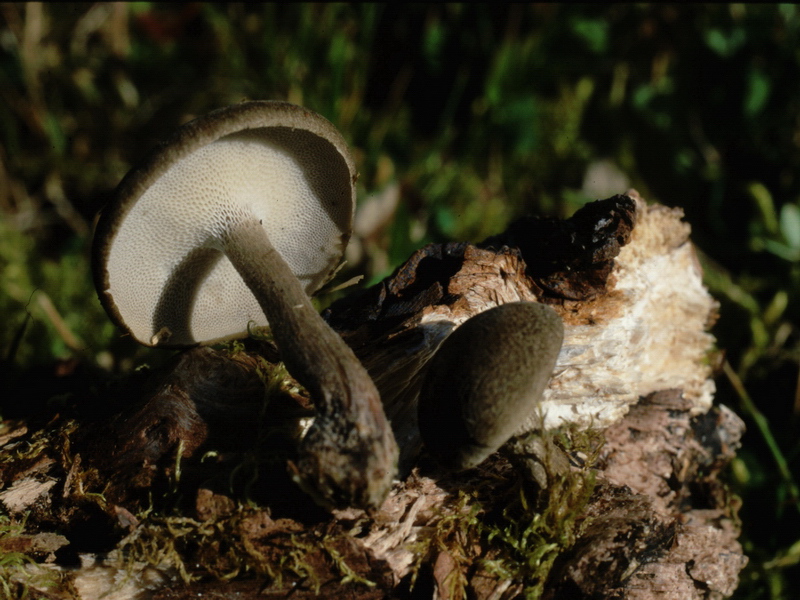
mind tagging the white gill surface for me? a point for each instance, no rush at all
(181, 216)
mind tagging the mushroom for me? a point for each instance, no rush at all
(235, 220)
(486, 380)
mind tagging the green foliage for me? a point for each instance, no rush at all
(51, 298)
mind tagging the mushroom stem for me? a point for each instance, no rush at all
(349, 456)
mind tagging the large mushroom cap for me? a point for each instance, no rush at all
(158, 264)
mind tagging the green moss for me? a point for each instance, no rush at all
(513, 529)
(11, 563)
(341, 565)
(20, 575)
(27, 448)
(225, 547)
(534, 530)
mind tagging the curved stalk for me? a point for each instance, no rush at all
(349, 456)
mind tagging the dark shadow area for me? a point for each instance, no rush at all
(173, 312)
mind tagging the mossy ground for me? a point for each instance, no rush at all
(496, 523)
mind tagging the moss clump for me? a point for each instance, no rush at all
(509, 529)
(12, 563)
(20, 574)
(538, 525)
(498, 526)
(245, 542)
(534, 529)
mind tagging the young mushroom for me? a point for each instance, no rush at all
(486, 380)
(234, 221)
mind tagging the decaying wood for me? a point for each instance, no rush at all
(635, 311)
(624, 279)
(662, 522)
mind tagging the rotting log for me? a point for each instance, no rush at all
(649, 514)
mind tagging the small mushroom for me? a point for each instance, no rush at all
(486, 380)
(235, 220)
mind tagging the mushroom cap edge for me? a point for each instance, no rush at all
(193, 135)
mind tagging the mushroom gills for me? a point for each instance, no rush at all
(486, 379)
(170, 268)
